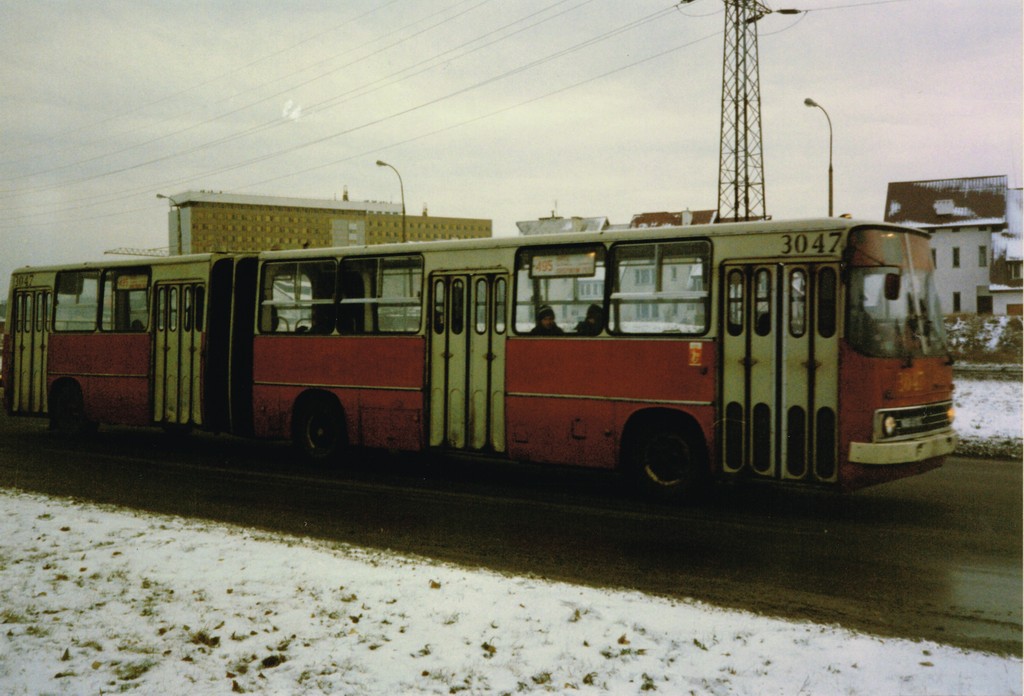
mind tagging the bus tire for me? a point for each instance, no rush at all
(67, 411)
(318, 429)
(669, 463)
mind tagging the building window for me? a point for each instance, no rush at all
(956, 257)
(982, 256)
(956, 302)
(1015, 269)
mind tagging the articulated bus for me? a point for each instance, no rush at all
(151, 342)
(808, 353)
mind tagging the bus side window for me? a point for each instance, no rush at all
(186, 308)
(298, 297)
(566, 281)
(161, 308)
(439, 316)
(77, 301)
(660, 287)
(763, 302)
(458, 305)
(41, 307)
(26, 312)
(797, 302)
(125, 300)
(827, 302)
(172, 308)
(735, 302)
(499, 305)
(200, 302)
(381, 294)
(480, 306)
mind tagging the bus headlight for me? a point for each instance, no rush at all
(951, 414)
(889, 424)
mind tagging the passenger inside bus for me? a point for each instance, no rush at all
(591, 324)
(546, 325)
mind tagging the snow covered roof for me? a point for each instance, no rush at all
(662, 219)
(948, 202)
(557, 225)
(191, 197)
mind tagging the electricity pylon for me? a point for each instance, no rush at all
(741, 157)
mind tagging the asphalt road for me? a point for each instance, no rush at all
(936, 557)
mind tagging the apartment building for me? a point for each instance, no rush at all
(205, 221)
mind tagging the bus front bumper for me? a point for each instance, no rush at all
(916, 450)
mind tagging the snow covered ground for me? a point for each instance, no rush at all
(103, 600)
(97, 600)
(988, 417)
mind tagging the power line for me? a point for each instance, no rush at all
(226, 114)
(93, 200)
(363, 90)
(490, 114)
(150, 187)
(210, 81)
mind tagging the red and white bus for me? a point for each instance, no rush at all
(132, 343)
(808, 352)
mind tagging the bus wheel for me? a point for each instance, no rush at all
(319, 429)
(668, 464)
(67, 411)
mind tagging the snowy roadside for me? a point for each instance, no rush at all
(100, 600)
(988, 417)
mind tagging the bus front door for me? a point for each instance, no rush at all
(779, 382)
(177, 353)
(30, 338)
(468, 325)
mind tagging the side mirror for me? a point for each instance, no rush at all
(892, 286)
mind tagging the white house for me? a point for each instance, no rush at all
(975, 225)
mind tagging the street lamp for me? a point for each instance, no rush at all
(810, 102)
(401, 186)
(178, 206)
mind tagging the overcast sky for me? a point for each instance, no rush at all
(488, 108)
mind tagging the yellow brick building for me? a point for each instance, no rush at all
(204, 221)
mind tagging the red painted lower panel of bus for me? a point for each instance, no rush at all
(377, 381)
(570, 401)
(112, 371)
(373, 417)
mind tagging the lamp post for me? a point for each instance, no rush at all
(810, 102)
(401, 186)
(178, 206)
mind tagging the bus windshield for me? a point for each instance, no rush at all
(892, 305)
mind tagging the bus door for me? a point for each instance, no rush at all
(468, 325)
(779, 382)
(178, 352)
(30, 339)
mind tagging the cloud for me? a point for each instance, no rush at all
(291, 110)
